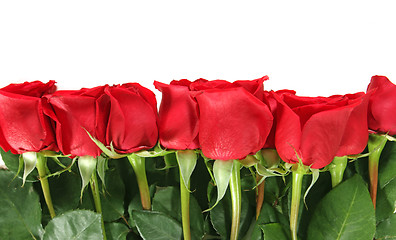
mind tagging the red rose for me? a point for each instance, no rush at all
(178, 116)
(179, 113)
(75, 112)
(317, 128)
(382, 105)
(23, 126)
(132, 120)
(124, 116)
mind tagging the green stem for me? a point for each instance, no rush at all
(139, 167)
(376, 144)
(185, 208)
(236, 199)
(298, 175)
(337, 169)
(41, 166)
(96, 196)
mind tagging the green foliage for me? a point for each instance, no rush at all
(112, 199)
(116, 231)
(20, 211)
(78, 225)
(274, 231)
(156, 226)
(220, 216)
(167, 201)
(345, 212)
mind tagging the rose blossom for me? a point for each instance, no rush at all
(226, 120)
(316, 129)
(382, 105)
(23, 125)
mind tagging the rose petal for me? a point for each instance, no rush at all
(178, 117)
(233, 123)
(132, 124)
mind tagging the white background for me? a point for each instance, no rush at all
(312, 47)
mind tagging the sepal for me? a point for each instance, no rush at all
(187, 160)
(30, 160)
(222, 174)
(87, 165)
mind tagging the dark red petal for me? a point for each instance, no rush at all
(382, 105)
(94, 92)
(322, 135)
(73, 114)
(132, 124)
(103, 106)
(379, 82)
(356, 132)
(288, 132)
(272, 104)
(294, 101)
(307, 111)
(255, 87)
(181, 82)
(382, 108)
(33, 89)
(143, 92)
(178, 117)
(198, 85)
(233, 123)
(23, 125)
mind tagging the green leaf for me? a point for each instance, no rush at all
(274, 231)
(30, 159)
(222, 175)
(387, 165)
(156, 226)
(387, 229)
(87, 165)
(113, 199)
(63, 191)
(187, 160)
(268, 215)
(386, 194)
(220, 216)
(116, 231)
(167, 201)
(135, 204)
(384, 208)
(346, 212)
(20, 210)
(386, 201)
(10, 160)
(78, 224)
